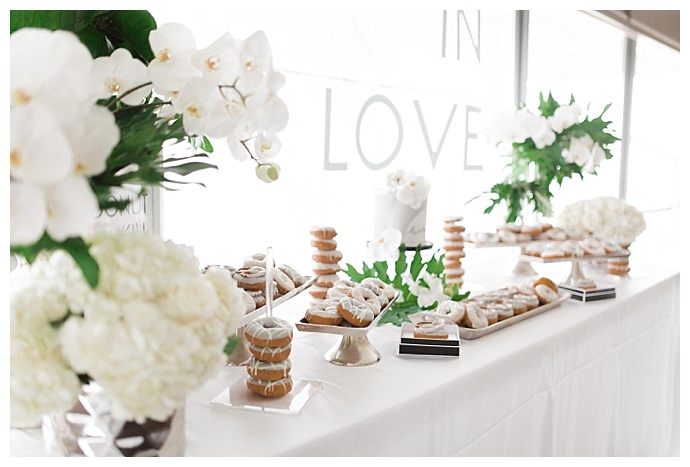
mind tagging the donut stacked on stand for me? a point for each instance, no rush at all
(270, 343)
(454, 248)
(326, 257)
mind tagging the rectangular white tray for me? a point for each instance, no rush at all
(469, 333)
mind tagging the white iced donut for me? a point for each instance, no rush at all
(452, 309)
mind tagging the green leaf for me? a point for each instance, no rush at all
(232, 343)
(79, 251)
(416, 265)
(353, 274)
(399, 313)
(381, 268)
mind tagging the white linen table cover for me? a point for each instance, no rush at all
(595, 379)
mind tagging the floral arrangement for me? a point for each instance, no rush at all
(546, 148)
(107, 99)
(153, 329)
(409, 189)
(422, 283)
(605, 217)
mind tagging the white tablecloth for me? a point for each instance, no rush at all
(596, 379)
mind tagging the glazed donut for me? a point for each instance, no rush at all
(270, 371)
(270, 354)
(518, 306)
(435, 329)
(388, 289)
(250, 278)
(530, 299)
(258, 296)
(367, 297)
(355, 312)
(324, 313)
(268, 331)
(337, 292)
(270, 388)
(257, 259)
(326, 280)
(327, 256)
(294, 275)
(452, 309)
(324, 244)
(318, 292)
(323, 269)
(323, 232)
(474, 318)
(383, 298)
(503, 310)
(283, 282)
(489, 313)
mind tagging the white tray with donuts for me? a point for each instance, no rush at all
(277, 301)
(469, 333)
(345, 329)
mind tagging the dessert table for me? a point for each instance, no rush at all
(583, 379)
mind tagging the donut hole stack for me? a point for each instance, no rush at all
(270, 344)
(326, 261)
(454, 248)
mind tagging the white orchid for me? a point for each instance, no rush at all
(173, 45)
(414, 191)
(386, 246)
(564, 117)
(120, 75)
(427, 288)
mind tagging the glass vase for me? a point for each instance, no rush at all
(89, 429)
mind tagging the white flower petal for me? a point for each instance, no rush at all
(27, 213)
(72, 208)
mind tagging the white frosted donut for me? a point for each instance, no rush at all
(473, 317)
(387, 288)
(545, 293)
(383, 298)
(326, 280)
(270, 388)
(294, 275)
(270, 371)
(249, 302)
(435, 329)
(323, 269)
(327, 256)
(503, 310)
(325, 312)
(452, 309)
(257, 259)
(283, 281)
(268, 331)
(355, 312)
(250, 278)
(270, 354)
(367, 297)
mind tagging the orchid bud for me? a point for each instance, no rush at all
(267, 171)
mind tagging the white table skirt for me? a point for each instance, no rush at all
(596, 379)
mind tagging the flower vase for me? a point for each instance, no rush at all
(90, 429)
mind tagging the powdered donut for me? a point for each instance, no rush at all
(323, 232)
(355, 312)
(452, 309)
(268, 331)
(435, 329)
(270, 371)
(270, 354)
(270, 388)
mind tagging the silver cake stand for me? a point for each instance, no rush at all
(353, 349)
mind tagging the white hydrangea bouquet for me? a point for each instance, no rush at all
(101, 100)
(546, 148)
(152, 331)
(604, 217)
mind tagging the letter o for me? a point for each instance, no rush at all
(385, 101)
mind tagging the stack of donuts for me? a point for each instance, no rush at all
(349, 303)
(454, 248)
(326, 257)
(251, 278)
(270, 343)
(490, 307)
